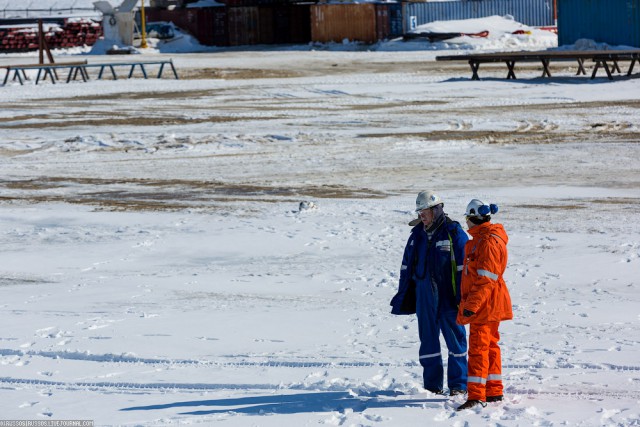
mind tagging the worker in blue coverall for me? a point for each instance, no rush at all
(430, 287)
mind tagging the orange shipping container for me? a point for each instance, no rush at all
(336, 22)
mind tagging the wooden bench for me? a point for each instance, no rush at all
(601, 58)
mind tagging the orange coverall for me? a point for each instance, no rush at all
(484, 292)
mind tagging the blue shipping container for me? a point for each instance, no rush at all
(395, 19)
(538, 13)
(615, 22)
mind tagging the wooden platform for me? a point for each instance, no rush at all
(607, 60)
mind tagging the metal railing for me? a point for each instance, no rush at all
(81, 68)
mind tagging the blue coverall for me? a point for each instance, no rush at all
(430, 287)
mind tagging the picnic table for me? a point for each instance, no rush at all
(601, 58)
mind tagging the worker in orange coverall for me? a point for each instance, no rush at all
(485, 302)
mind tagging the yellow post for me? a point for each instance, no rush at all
(143, 41)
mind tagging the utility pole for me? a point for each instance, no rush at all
(143, 30)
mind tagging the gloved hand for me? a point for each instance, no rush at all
(467, 313)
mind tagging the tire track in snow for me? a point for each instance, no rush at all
(576, 394)
(114, 358)
(102, 385)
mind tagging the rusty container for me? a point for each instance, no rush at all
(337, 22)
(388, 20)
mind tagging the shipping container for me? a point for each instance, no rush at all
(337, 22)
(281, 24)
(177, 16)
(300, 23)
(234, 26)
(284, 24)
(207, 24)
(220, 31)
(529, 12)
(383, 22)
(615, 22)
(265, 25)
(243, 25)
(163, 4)
(240, 3)
(388, 20)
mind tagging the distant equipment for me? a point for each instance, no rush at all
(118, 22)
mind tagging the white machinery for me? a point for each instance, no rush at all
(117, 23)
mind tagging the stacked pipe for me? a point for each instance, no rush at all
(73, 33)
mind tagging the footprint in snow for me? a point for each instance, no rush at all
(94, 327)
(145, 243)
(27, 404)
(373, 417)
(443, 416)
(336, 420)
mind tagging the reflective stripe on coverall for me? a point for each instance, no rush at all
(431, 321)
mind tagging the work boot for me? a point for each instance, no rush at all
(457, 392)
(435, 391)
(494, 398)
(471, 404)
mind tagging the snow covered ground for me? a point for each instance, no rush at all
(158, 268)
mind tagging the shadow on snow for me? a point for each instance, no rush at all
(294, 403)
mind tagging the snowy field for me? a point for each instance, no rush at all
(157, 267)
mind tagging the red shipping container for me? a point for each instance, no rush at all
(383, 22)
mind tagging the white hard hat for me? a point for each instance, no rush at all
(478, 209)
(426, 200)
